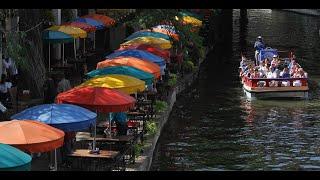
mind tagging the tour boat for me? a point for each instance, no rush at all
(259, 88)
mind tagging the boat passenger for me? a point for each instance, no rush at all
(285, 73)
(258, 46)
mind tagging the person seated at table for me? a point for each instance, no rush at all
(120, 118)
(64, 84)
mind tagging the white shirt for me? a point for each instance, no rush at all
(5, 86)
(63, 85)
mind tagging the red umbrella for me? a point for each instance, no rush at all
(165, 54)
(97, 98)
(81, 25)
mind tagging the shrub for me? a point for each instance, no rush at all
(172, 80)
(138, 148)
(160, 106)
(188, 66)
(151, 127)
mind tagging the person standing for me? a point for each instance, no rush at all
(50, 90)
(63, 85)
(258, 46)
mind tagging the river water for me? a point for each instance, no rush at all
(214, 127)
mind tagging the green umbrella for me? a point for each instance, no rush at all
(124, 70)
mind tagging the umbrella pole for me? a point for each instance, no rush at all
(84, 45)
(94, 135)
(110, 126)
(49, 57)
(63, 53)
(94, 40)
(74, 48)
(55, 160)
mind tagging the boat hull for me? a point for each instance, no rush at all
(301, 93)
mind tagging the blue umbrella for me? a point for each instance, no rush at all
(125, 70)
(91, 22)
(139, 54)
(13, 159)
(148, 33)
(66, 117)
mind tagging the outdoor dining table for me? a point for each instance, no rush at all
(105, 158)
(125, 143)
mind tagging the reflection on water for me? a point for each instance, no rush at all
(214, 127)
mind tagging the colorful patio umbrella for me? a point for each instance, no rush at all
(107, 21)
(158, 42)
(72, 31)
(191, 20)
(168, 28)
(13, 159)
(55, 37)
(165, 54)
(31, 136)
(148, 33)
(125, 70)
(99, 99)
(61, 116)
(163, 31)
(143, 65)
(98, 25)
(188, 13)
(86, 27)
(123, 83)
(139, 54)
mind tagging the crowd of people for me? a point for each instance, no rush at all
(276, 68)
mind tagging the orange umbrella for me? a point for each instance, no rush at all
(107, 21)
(31, 136)
(143, 65)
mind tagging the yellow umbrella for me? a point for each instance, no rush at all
(191, 20)
(72, 31)
(158, 42)
(123, 83)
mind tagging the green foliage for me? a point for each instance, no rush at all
(188, 66)
(151, 127)
(66, 14)
(46, 15)
(160, 106)
(17, 49)
(138, 149)
(172, 80)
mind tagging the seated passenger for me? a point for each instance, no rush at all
(275, 75)
(255, 74)
(275, 61)
(285, 73)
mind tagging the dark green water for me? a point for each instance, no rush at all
(214, 127)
